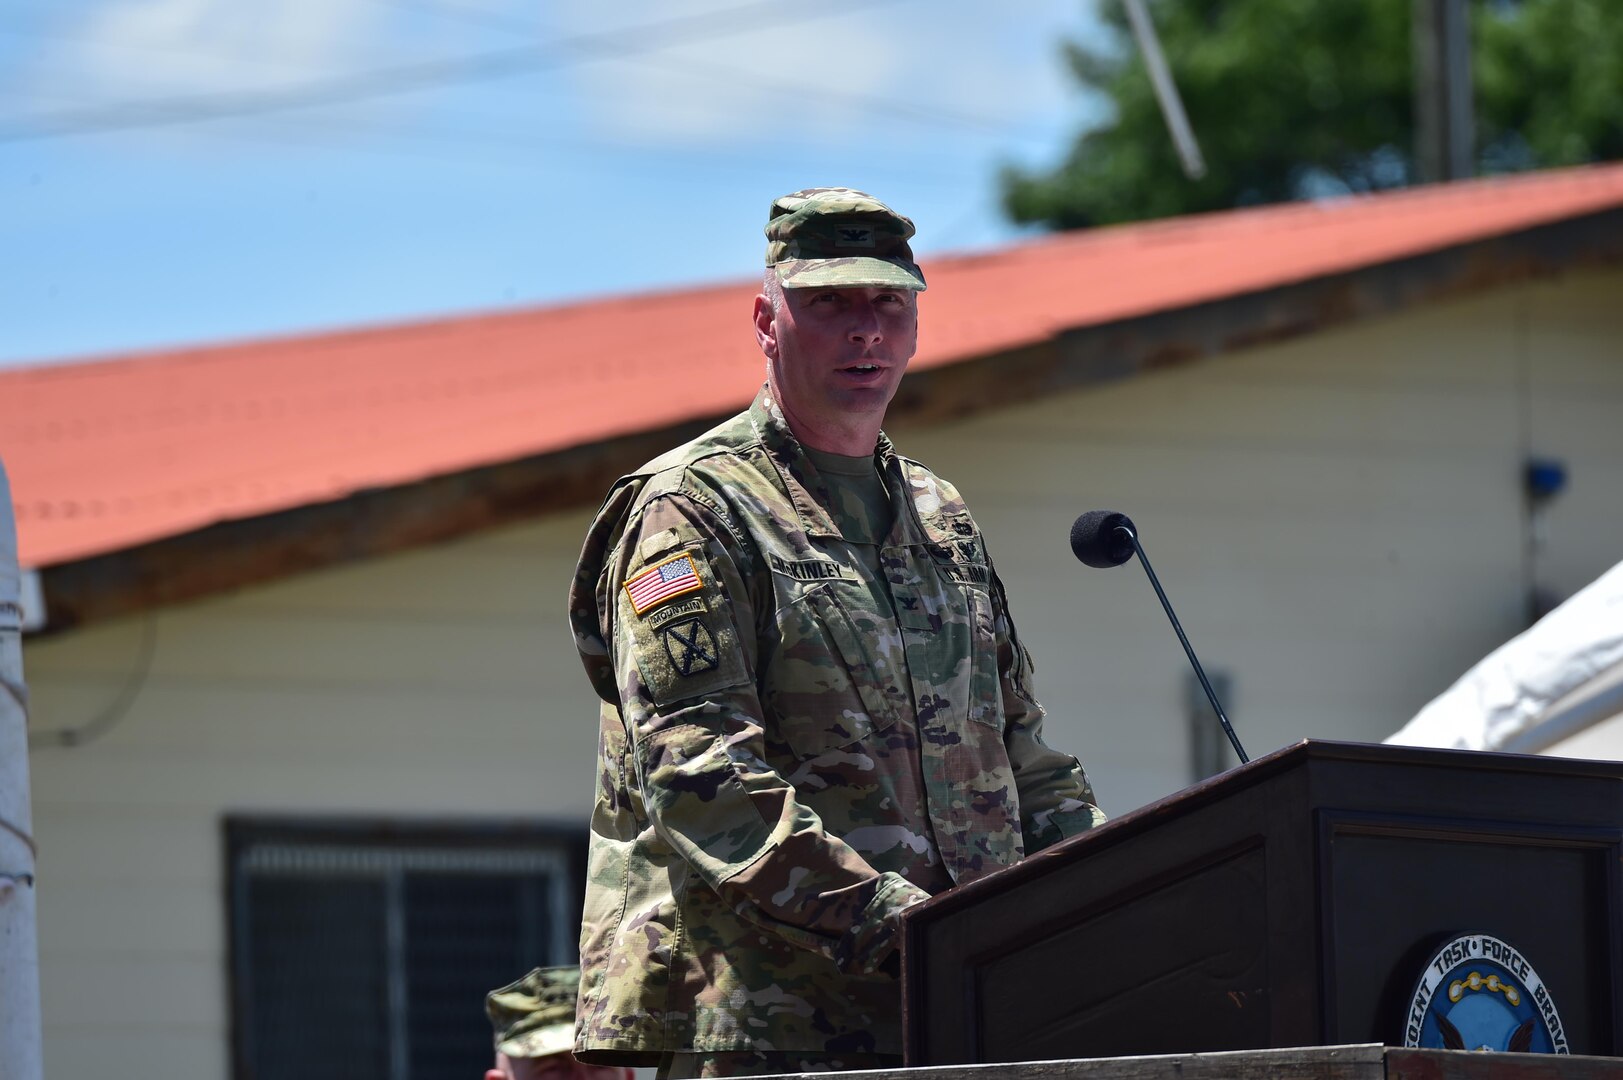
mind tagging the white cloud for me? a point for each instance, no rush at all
(173, 47)
(939, 77)
(961, 58)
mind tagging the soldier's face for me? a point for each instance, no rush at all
(834, 354)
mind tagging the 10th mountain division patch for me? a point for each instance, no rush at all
(689, 645)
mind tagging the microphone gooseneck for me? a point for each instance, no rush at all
(1105, 538)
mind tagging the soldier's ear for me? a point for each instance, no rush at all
(766, 328)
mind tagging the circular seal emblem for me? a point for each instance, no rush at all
(1478, 993)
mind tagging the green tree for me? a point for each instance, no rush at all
(1293, 98)
(1549, 82)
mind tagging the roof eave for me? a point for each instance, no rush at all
(234, 554)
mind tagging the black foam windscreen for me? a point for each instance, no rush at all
(1095, 541)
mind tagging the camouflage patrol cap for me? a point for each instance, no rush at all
(840, 237)
(535, 1016)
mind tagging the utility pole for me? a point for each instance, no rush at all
(19, 946)
(1166, 91)
(1445, 129)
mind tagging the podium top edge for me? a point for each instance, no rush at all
(1393, 753)
(1258, 771)
(1292, 756)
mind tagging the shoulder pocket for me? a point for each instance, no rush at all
(677, 622)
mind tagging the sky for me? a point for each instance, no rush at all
(180, 172)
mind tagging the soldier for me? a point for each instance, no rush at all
(815, 710)
(534, 1020)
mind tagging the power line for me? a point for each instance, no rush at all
(328, 131)
(116, 710)
(900, 109)
(418, 142)
(363, 86)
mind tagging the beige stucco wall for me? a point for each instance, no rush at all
(440, 682)
(1337, 519)
(1603, 742)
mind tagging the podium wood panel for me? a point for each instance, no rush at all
(1290, 902)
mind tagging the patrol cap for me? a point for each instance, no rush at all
(535, 1016)
(839, 237)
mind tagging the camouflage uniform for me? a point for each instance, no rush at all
(792, 749)
(535, 1016)
(534, 1021)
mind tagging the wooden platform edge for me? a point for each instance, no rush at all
(1359, 1061)
(1363, 1061)
(1467, 1065)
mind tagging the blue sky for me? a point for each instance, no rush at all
(185, 171)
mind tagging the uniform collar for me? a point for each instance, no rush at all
(801, 481)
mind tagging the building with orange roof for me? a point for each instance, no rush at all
(302, 669)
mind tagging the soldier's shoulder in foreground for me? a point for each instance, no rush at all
(699, 466)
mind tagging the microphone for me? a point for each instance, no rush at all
(1104, 538)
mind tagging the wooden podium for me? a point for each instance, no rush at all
(1290, 902)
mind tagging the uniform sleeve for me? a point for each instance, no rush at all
(1056, 798)
(684, 647)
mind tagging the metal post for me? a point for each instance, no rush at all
(1444, 119)
(1166, 91)
(19, 946)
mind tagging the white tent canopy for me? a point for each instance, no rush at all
(1559, 677)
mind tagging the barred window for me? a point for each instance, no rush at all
(366, 948)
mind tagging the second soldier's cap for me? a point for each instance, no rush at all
(840, 238)
(535, 1016)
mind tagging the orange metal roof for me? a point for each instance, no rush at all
(108, 454)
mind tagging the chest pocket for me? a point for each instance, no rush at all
(839, 674)
(969, 628)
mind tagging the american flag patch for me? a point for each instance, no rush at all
(673, 577)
